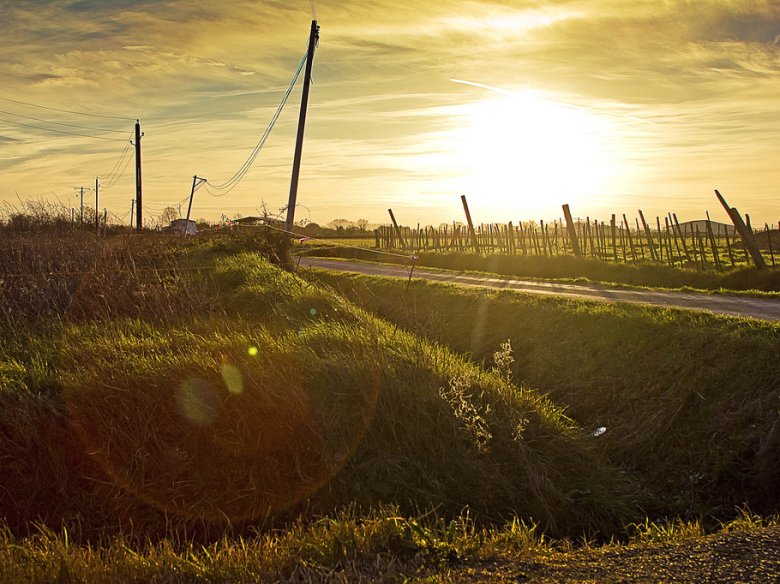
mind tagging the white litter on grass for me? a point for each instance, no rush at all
(599, 431)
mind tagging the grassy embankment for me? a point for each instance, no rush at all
(690, 401)
(156, 396)
(569, 268)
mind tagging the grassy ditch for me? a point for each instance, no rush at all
(571, 268)
(211, 392)
(689, 401)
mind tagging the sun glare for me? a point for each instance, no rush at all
(524, 151)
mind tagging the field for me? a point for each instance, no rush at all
(188, 410)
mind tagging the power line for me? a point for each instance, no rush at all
(233, 181)
(65, 111)
(62, 123)
(121, 156)
(60, 131)
(111, 183)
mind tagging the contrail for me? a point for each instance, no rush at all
(560, 103)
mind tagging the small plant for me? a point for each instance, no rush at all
(502, 361)
(458, 396)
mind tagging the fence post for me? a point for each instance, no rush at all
(744, 232)
(575, 244)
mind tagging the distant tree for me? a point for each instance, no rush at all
(340, 224)
(168, 214)
(362, 224)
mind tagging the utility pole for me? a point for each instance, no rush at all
(97, 217)
(138, 189)
(196, 182)
(314, 37)
(81, 203)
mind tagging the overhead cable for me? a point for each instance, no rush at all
(78, 113)
(231, 183)
(60, 131)
(62, 123)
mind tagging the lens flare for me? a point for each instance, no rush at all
(232, 378)
(197, 401)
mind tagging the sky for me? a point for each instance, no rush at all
(609, 106)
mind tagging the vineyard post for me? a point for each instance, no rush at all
(701, 249)
(649, 236)
(744, 232)
(660, 239)
(521, 237)
(510, 233)
(630, 238)
(669, 233)
(711, 235)
(769, 241)
(575, 244)
(682, 237)
(639, 239)
(471, 225)
(589, 237)
(623, 240)
(397, 229)
(613, 228)
(728, 246)
(669, 223)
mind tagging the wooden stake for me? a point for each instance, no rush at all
(744, 232)
(575, 244)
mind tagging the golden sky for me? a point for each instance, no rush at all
(608, 105)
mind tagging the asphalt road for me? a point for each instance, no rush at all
(761, 308)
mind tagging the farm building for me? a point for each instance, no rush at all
(188, 227)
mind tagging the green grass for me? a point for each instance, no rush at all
(382, 545)
(183, 411)
(244, 394)
(690, 401)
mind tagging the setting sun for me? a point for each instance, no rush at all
(516, 151)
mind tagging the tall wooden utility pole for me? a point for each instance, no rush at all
(314, 37)
(195, 183)
(81, 203)
(138, 189)
(97, 220)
